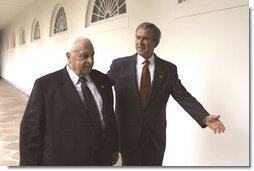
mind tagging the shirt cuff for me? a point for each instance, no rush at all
(205, 121)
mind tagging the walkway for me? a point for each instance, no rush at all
(12, 106)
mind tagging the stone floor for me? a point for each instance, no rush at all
(12, 106)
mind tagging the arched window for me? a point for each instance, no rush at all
(104, 9)
(58, 21)
(36, 34)
(22, 37)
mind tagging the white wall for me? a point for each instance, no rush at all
(213, 61)
(208, 44)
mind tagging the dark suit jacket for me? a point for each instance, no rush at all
(56, 130)
(129, 112)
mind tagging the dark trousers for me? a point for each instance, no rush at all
(104, 154)
(145, 154)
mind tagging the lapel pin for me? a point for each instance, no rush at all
(102, 86)
(161, 76)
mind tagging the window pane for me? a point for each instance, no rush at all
(104, 9)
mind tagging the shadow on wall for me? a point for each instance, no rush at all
(1, 50)
(0, 64)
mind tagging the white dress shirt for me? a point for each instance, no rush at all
(139, 67)
(92, 87)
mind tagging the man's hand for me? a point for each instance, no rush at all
(215, 124)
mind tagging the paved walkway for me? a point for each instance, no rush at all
(12, 106)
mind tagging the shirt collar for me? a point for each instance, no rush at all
(74, 77)
(140, 59)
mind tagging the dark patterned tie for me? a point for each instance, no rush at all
(91, 106)
(145, 85)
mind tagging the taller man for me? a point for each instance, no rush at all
(143, 83)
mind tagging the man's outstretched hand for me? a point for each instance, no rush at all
(215, 124)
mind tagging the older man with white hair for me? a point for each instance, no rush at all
(69, 119)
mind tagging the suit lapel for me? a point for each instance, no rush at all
(158, 77)
(71, 94)
(99, 85)
(133, 74)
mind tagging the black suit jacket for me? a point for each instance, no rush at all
(56, 130)
(129, 112)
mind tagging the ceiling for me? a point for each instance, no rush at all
(10, 9)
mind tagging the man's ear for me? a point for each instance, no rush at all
(157, 42)
(68, 54)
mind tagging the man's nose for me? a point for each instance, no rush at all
(140, 42)
(90, 59)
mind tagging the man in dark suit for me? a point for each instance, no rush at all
(143, 83)
(58, 127)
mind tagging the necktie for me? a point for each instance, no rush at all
(91, 106)
(145, 85)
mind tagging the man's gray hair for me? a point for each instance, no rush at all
(72, 42)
